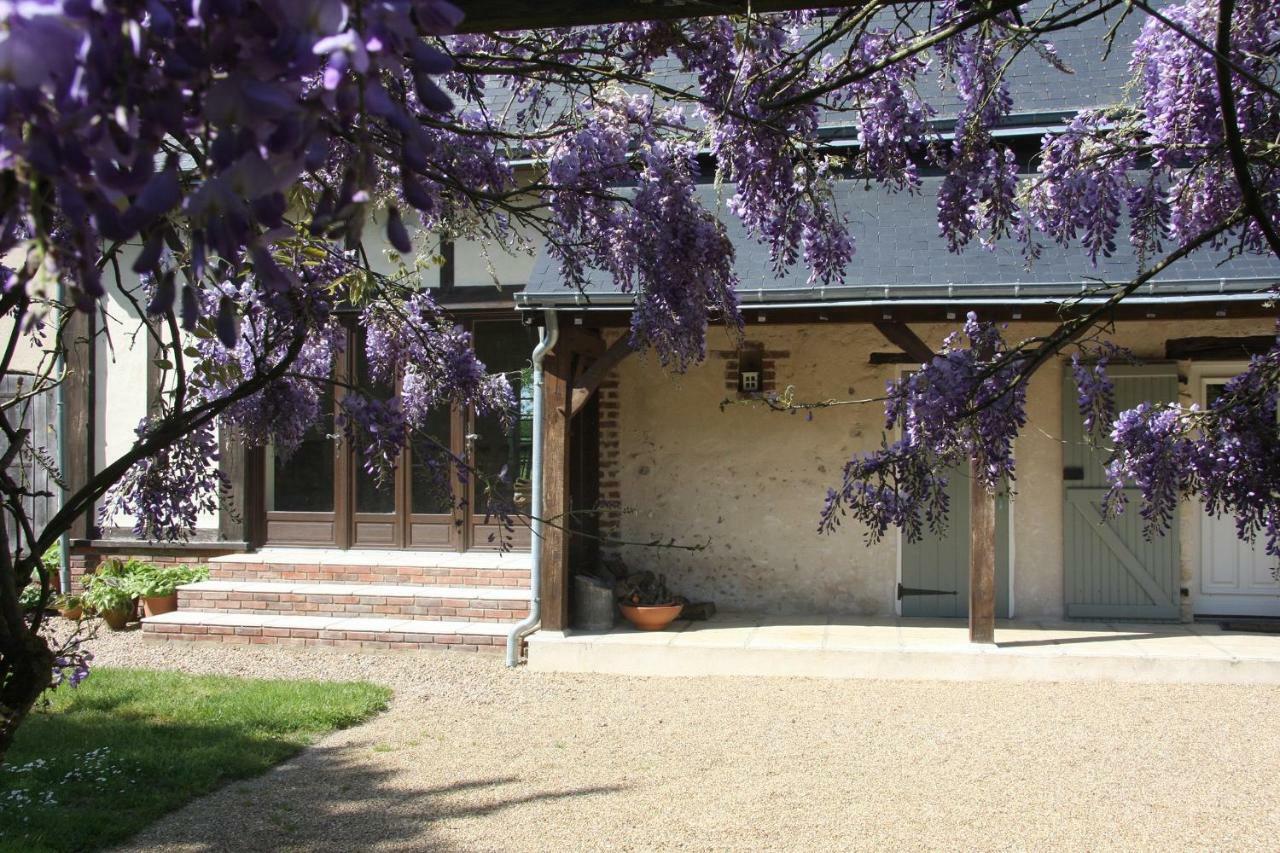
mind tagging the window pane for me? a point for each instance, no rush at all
(304, 481)
(372, 495)
(502, 459)
(433, 471)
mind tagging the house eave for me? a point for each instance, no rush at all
(953, 295)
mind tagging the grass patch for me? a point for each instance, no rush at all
(109, 757)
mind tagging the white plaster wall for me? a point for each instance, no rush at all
(120, 379)
(28, 355)
(750, 483)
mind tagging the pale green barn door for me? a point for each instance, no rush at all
(935, 570)
(1111, 571)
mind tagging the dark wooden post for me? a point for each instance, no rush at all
(78, 398)
(982, 561)
(556, 390)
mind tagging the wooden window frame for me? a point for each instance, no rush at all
(345, 528)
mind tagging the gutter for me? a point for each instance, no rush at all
(994, 293)
(550, 334)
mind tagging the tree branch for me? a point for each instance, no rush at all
(1231, 129)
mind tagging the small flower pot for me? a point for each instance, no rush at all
(117, 620)
(154, 605)
(651, 617)
(75, 614)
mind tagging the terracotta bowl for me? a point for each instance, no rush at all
(117, 620)
(157, 604)
(651, 617)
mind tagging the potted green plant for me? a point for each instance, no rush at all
(109, 598)
(646, 602)
(158, 586)
(69, 606)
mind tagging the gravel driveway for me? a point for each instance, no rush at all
(473, 757)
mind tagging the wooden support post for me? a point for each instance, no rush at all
(556, 389)
(78, 398)
(982, 561)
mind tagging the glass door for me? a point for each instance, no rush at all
(502, 459)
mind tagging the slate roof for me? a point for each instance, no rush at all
(1041, 93)
(900, 256)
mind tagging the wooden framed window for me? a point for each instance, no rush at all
(322, 496)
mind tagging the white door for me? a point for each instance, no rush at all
(1236, 578)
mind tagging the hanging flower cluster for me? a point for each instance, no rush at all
(962, 406)
(1226, 453)
(168, 491)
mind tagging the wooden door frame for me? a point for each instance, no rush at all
(1201, 374)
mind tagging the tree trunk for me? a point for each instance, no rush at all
(26, 671)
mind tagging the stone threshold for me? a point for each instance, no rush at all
(415, 559)
(908, 649)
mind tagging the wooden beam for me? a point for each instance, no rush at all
(1209, 347)
(891, 358)
(982, 561)
(557, 379)
(900, 335)
(587, 383)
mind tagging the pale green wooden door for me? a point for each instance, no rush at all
(1111, 571)
(941, 563)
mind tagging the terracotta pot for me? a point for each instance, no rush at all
(651, 617)
(73, 613)
(117, 620)
(154, 605)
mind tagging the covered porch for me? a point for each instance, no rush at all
(920, 649)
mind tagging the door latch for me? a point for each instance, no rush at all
(905, 591)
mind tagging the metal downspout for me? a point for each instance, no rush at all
(550, 333)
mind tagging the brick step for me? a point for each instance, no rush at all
(402, 601)
(374, 567)
(387, 633)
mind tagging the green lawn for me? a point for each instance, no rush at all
(109, 757)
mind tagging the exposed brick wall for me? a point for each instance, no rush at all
(610, 463)
(769, 359)
(84, 560)
(355, 606)
(244, 635)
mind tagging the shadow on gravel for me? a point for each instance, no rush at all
(325, 802)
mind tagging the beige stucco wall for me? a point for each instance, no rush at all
(749, 483)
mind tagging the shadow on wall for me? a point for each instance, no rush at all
(328, 800)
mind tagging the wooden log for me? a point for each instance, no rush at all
(982, 561)
(1212, 347)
